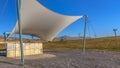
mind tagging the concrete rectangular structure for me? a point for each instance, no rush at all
(13, 49)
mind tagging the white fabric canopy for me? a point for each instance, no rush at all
(39, 21)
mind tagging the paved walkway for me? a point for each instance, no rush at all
(67, 59)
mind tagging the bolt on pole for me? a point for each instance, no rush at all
(84, 38)
(20, 31)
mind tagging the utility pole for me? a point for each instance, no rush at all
(5, 38)
(84, 38)
(20, 31)
(79, 35)
(6, 34)
(115, 32)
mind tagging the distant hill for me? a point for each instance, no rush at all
(69, 38)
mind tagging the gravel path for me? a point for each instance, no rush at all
(67, 59)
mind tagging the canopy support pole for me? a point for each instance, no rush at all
(20, 31)
(84, 38)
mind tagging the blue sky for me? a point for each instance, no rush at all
(104, 15)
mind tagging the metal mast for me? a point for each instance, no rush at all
(84, 38)
(20, 31)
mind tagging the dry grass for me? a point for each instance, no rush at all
(107, 43)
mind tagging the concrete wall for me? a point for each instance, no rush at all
(13, 49)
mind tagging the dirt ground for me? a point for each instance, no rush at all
(66, 59)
